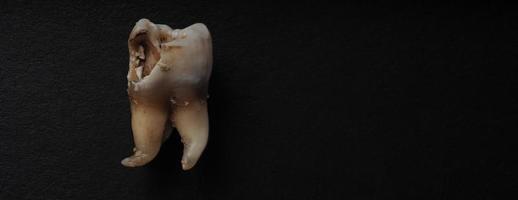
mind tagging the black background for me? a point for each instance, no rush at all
(308, 101)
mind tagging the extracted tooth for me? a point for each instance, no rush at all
(167, 88)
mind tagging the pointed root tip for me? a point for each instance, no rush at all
(186, 165)
(127, 162)
(136, 160)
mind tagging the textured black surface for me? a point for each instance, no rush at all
(308, 101)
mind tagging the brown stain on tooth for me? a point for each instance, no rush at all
(163, 67)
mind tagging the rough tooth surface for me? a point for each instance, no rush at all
(168, 79)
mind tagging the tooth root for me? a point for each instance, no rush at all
(192, 123)
(148, 124)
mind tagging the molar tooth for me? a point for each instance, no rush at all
(164, 102)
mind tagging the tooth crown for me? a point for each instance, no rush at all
(168, 79)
